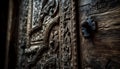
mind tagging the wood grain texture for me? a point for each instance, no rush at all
(107, 39)
(103, 50)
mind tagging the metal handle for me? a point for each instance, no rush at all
(89, 26)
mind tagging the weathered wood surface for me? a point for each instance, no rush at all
(103, 50)
(51, 35)
(107, 40)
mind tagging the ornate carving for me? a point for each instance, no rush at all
(50, 59)
(51, 35)
(66, 35)
(44, 10)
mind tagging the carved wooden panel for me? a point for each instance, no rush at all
(102, 51)
(51, 37)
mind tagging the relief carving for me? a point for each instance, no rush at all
(47, 9)
(41, 30)
(47, 50)
(66, 35)
(50, 41)
(50, 59)
(52, 37)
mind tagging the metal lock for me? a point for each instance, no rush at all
(89, 26)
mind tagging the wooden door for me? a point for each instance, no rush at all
(100, 34)
(48, 35)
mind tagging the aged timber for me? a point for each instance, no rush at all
(102, 51)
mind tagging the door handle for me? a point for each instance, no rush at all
(89, 27)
